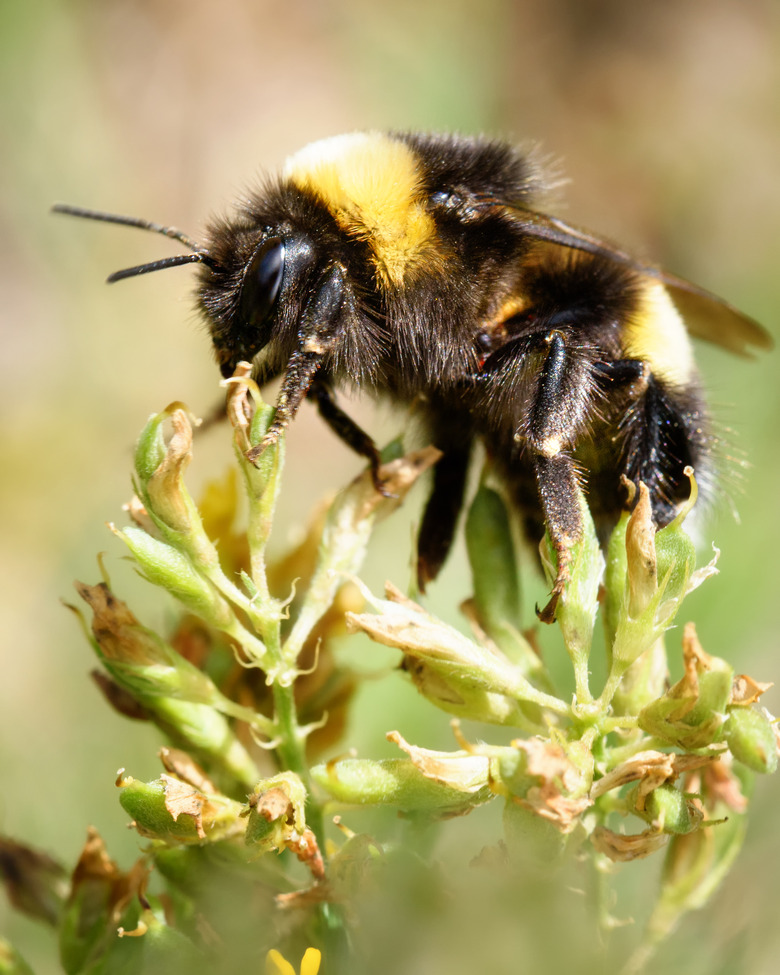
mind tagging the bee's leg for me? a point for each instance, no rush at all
(665, 431)
(555, 422)
(318, 334)
(347, 430)
(442, 507)
(558, 484)
(301, 370)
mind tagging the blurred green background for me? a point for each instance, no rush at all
(666, 118)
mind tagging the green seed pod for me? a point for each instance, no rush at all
(714, 690)
(275, 808)
(691, 713)
(668, 809)
(168, 809)
(160, 469)
(398, 782)
(751, 738)
(615, 578)
(165, 566)
(150, 447)
(466, 699)
(676, 556)
(654, 720)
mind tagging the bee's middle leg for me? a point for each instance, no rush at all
(557, 419)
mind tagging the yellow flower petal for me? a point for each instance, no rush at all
(276, 964)
(310, 964)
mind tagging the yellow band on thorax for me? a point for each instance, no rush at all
(370, 182)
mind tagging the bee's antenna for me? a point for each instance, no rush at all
(132, 272)
(199, 256)
(156, 228)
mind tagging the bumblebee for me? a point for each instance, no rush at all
(417, 267)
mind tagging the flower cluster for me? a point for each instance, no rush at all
(249, 692)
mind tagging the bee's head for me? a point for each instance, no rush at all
(256, 281)
(252, 291)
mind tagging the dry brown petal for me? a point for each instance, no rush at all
(240, 406)
(694, 654)
(555, 798)
(164, 487)
(397, 478)
(413, 630)
(94, 862)
(547, 802)
(550, 762)
(687, 688)
(118, 633)
(690, 644)
(687, 763)
(95, 867)
(395, 595)
(36, 884)
(304, 846)
(652, 768)
(746, 691)
(651, 764)
(180, 764)
(621, 848)
(417, 634)
(640, 548)
(459, 770)
(695, 662)
(140, 516)
(182, 800)
(272, 805)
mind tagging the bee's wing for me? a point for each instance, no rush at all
(710, 317)
(706, 315)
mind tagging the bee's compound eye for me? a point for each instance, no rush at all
(262, 280)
